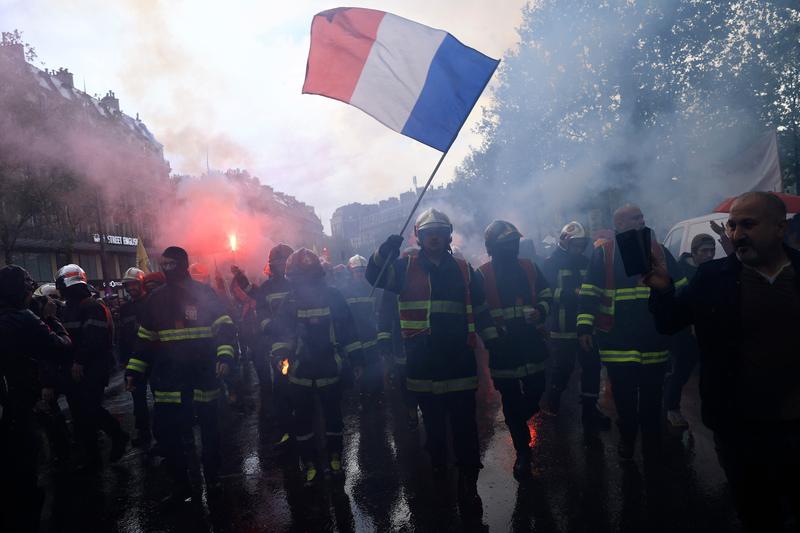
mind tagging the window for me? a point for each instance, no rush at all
(37, 264)
(673, 241)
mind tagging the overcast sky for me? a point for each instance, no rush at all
(227, 77)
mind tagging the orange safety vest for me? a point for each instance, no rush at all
(499, 313)
(415, 305)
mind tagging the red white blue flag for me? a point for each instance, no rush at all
(418, 81)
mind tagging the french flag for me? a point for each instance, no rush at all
(418, 81)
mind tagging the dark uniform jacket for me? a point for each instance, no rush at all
(315, 330)
(269, 297)
(519, 348)
(184, 331)
(633, 337)
(389, 339)
(441, 360)
(28, 342)
(362, 301)
(711, 303)
(565, 273)
(129, 313)
(91, 329)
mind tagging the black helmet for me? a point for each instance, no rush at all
(499, 232)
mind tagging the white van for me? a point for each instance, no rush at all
(679, 238)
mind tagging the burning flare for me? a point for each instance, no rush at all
(284, 366)
(233, 242)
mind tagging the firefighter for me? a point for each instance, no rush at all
(362, 302)
(28, 341)
(269, 297)
(615, 306)
(436, 297)
(129, 313)
(518, 299)
(566, 268)
(315, 331)
(88, 322)
(186, 342)
(390, 342)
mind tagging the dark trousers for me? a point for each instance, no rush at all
(684, 358)
(372, 379)
(762, 464)
(459, 408)
(173, 420)
(85, 400)
(281, 400)
(409, 398)
(304, 400)
(520, 402)
(566, 351)
(141, 412)
(637, 392)
(20, 498)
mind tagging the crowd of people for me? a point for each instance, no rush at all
(313, 331)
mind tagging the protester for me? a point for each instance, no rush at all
(745, 310)
(27, 340)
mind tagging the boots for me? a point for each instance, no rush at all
(119, 442)
(469, 501)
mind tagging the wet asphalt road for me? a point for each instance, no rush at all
(579, 483)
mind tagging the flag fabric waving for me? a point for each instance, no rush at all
(419, 81)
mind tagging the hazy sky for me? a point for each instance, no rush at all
(227, 77)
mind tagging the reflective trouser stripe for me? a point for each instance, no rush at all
(167, 396)
(319, 382)
(518, 372)
(442, 387)
(585, 319)
(557, 335)
(633, 356)
(225, 350)
(305, 437)
(384, 336)
(206, 396)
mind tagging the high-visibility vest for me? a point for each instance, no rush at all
(500, 313)
(415, 304)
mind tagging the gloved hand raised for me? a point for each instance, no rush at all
(391, 248)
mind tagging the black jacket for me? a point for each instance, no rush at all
(711, 302)
(27, 344)
(565, 274)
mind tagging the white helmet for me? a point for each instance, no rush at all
(133, 274)
(573, 230)
(47, 289)
(357, 261)
(70, 275)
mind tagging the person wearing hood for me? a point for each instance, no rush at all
(186, 341)
(88, 322)
(28, 341)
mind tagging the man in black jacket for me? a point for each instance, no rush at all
(745, 309)
(27, 341)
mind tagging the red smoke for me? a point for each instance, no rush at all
(212, 221)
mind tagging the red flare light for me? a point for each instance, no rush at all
(285, 366)
(233, 242)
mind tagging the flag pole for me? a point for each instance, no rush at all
(410, 216)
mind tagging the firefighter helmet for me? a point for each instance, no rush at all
(153, 280)
(304, 264)
(498, 232)
(70, 275)
(199, 272)
(280, 252)
(432, 219)
(573, 230)
(133, 274)
(47, 289)
(357, 261)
